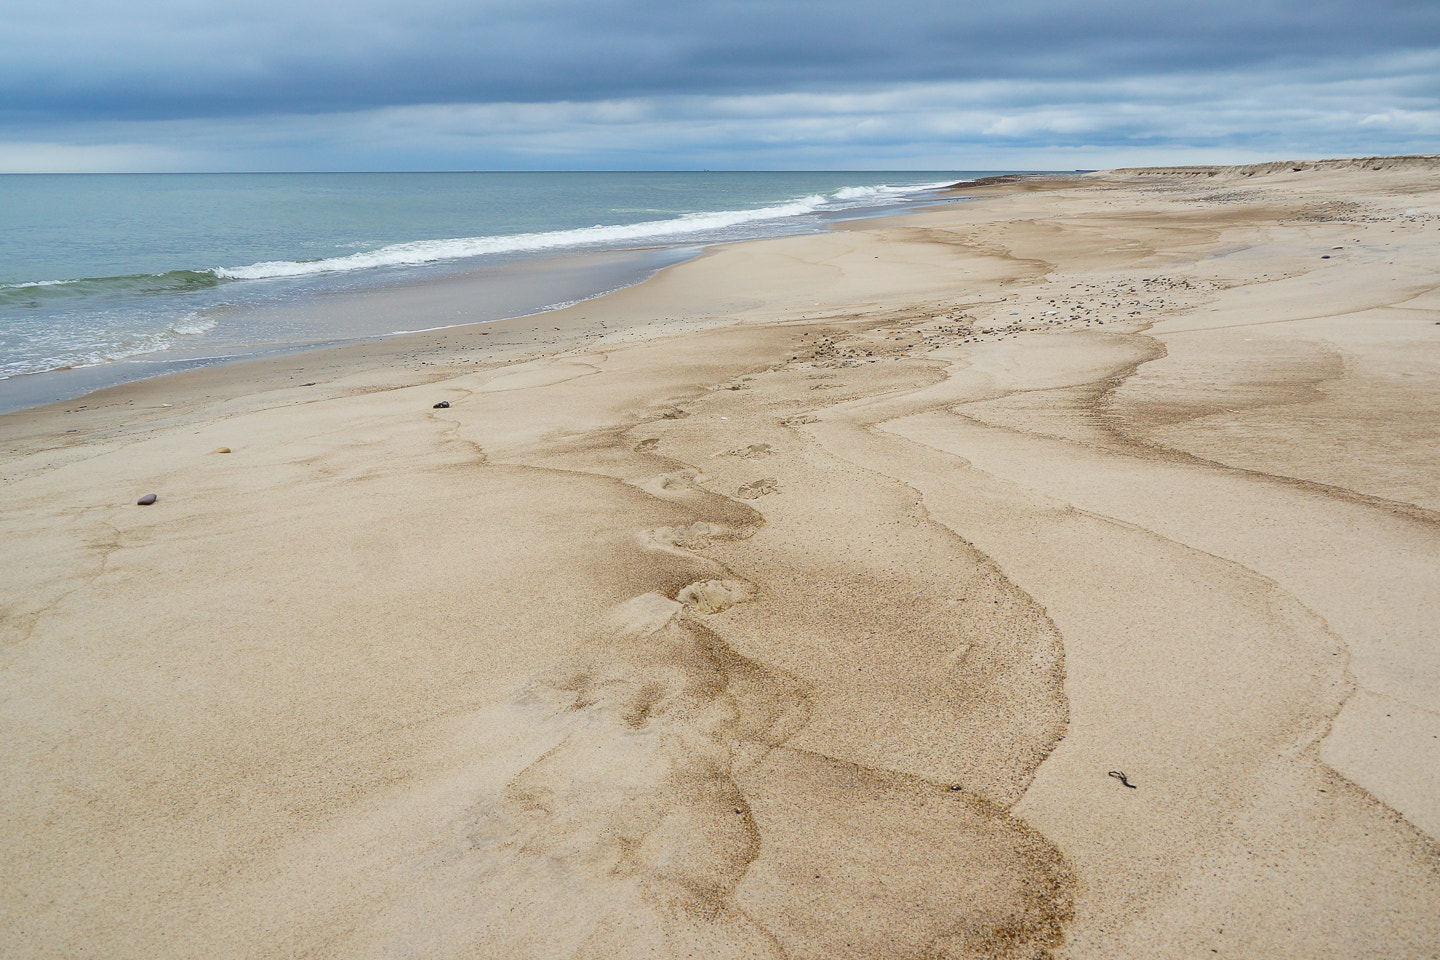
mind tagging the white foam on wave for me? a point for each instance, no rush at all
(192, 325)
(433, 251)
(37, 283)
(76, 352)
(883, 191)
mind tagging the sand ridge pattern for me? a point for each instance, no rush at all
(641, 809)
(662, 831)
(635, 811)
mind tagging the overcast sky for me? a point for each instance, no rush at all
(722, 84)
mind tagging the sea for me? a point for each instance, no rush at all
(110, 278)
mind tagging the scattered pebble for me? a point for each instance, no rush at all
(146, 500)
(443, 404)
(221, 450)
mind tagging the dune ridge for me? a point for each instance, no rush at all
(1415, 162)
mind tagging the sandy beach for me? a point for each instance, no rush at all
(1052, 574)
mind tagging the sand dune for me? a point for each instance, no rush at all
(1051, 574)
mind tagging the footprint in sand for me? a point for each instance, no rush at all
(629, 837)
(758, 488)
(697, 536)
(671, 820)
(715, 596)
(755, 451)
(679, 482)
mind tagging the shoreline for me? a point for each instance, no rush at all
(450, 292)
(281, 313)
(470, 295)
(1050, 575)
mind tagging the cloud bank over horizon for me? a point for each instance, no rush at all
(760, 84)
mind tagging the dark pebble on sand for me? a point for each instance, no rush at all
(442, 405)
(146, 500)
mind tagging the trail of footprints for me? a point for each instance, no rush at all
(638, 813)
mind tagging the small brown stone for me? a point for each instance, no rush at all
(221, 450)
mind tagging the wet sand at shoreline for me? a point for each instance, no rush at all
(806, 600)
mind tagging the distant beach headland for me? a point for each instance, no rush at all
(1413, 162)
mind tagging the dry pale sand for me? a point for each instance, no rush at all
(799, 602)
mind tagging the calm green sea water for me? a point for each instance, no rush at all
(100, 269)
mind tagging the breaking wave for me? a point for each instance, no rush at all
(138, 284)
(690, 226)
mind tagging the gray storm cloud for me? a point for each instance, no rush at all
(750, 84)
(91, 60)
